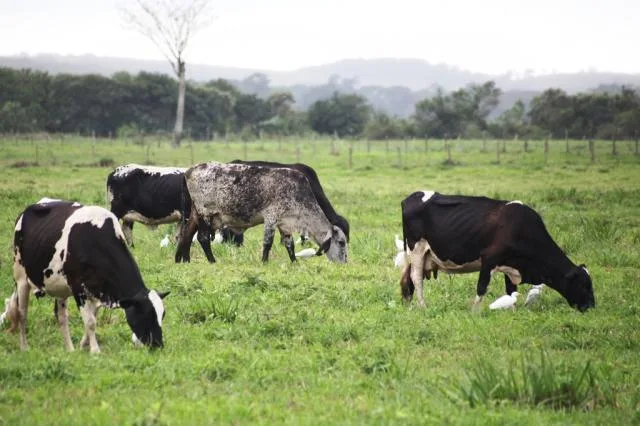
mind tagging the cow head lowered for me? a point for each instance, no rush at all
(578, 289)
(145, 312)
(334, 245)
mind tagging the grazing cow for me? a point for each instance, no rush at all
(64, 249)
(460, 234)
(241, 196)
(318, 192)
(152, 196)
(311, 175)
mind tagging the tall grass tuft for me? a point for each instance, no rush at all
(534, 382)
(210, 308)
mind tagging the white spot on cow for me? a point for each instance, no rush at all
(125, 170)
(515, 202)
(156, 301)
(46, 200)
(109, 195)
(19, 224)
(586, 270)
(513, 274)
(137, 217)
(135, 340)
(427, 195)
(55, 281)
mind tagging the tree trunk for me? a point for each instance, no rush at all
(177, 130)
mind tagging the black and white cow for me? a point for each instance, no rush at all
(152, 196)
(459, 234)
(241, 196)
(65, 249)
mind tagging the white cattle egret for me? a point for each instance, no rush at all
(298, 241)
(505, 302)
(399, 259)
(308, 252)
(165, 241)
(399, 243)
(218, 238)
(534, 294)
(6, 310)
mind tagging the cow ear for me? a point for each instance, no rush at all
(325, 244)
(163, 294)
(324, 247)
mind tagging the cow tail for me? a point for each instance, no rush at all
(185, 202)
(406, 283)
(404, 228)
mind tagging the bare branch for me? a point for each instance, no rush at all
(168, 24)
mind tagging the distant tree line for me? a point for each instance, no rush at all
(145, 103)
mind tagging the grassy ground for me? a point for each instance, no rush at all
(320, 343)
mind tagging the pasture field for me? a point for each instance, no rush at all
(321, 343)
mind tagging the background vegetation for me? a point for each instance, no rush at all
(144, 103)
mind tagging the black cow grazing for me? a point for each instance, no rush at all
(152, 196)
(146, 194)
(460, 234)
(65, 249)
(318, 192)
(241, 196)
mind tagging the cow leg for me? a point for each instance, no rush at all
(417, 259)
(60, 309)
(269, 233)
(406, 285)
(509, 286)
(127, 229)
(204, 238)
(483, 282)
(289, 244)
(187, 231)
(88, 311)
(21, 311)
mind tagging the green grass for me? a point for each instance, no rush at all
(321, 343)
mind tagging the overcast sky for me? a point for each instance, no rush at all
(491, 36)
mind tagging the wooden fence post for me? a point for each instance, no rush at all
(497, 151)
(484, 141)
(566, 139)
(613, 139)
(399, 150)
(37, 156)
(592, 150)
(546, 148)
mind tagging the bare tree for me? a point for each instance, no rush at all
(170, 24)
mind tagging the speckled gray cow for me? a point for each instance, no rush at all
(241, 196)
